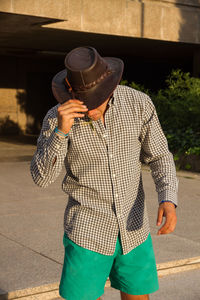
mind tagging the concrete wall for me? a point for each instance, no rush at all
(25, 93)
(10, 113)
(169, 20)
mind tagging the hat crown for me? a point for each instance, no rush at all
(84, 67)
(88, 77)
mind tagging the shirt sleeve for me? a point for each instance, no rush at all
(155, 152)
(48, 159)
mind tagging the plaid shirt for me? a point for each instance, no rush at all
(103, 171)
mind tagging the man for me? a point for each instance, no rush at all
(102, 132)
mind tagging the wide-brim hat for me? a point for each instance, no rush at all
(88, 77)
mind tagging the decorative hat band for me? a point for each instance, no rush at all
(88, 85)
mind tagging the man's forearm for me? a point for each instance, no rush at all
(48, 159)
(164, 175)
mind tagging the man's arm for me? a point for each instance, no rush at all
(52, 146)
(155, 152)
(51, 150)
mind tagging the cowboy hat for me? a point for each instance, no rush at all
(87, 77)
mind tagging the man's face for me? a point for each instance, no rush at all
(95, 114)
(98, 113)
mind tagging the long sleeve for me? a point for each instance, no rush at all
(155, 152)
(49, 157)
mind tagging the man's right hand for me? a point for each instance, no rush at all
(68, 111)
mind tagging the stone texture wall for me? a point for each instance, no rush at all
(12, 117)
(170, 20)
(25, 93)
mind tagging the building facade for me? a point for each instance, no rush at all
(151, 36)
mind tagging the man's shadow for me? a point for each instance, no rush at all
(135, 217)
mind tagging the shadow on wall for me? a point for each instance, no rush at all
(189, 18)
(4, 295)
(36, 100)
(9, 127)
(189, 31)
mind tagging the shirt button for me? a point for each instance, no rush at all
(114, 175)
(111, 156)
(116, 195)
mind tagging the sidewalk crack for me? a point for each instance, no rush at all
(34, 251)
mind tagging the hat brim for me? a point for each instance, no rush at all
(94, 96)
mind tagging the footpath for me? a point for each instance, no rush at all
(31, 232)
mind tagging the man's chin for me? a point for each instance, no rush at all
(95, 118)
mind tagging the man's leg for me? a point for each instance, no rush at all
(125, 296)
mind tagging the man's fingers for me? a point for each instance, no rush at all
(160, 216)
(169, 225)
(73, 106)
(77, 115)
(167, 210)
(164, 228)
(71, 115)
(73, 101)
(70, 103)
(70, 110)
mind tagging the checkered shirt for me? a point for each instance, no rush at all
(103, 178)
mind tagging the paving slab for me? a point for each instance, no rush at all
(184, 241)
(187, 211)
(17, 149)
(172, 247)
(31, 226)
(22, 267)
(182, 286)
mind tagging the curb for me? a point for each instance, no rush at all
(177, 266)
(50, 291)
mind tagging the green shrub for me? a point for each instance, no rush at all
(178, 105)
(136, 86)
(178, 108)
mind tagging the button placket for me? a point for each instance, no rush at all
(112, 173)
(105, 135)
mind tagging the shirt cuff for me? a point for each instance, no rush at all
(57, 144)
(168, 195)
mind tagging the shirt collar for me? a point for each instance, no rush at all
(111, 102)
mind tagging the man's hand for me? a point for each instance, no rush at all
(68, 111)
(167, 210)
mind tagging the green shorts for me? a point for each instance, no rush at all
(85, 272)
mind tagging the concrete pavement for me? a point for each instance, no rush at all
(31, 228)
(182, 286)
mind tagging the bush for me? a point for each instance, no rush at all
(179, 104)
(178, 108)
